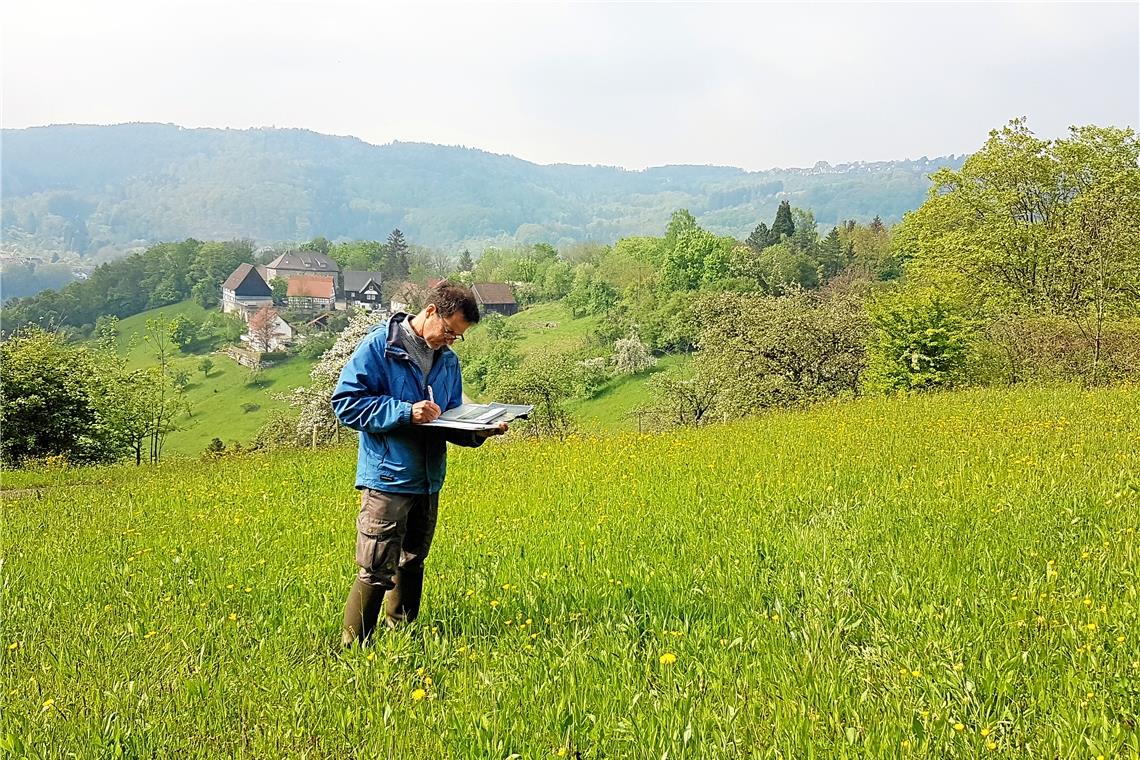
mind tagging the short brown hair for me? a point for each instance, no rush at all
(449, 299)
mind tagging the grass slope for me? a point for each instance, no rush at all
(222, 405)
(944, 576)
(226, 406)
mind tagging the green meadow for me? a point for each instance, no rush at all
(946, 576)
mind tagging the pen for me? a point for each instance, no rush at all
(431, 396)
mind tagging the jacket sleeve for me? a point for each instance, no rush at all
(361, 398)
(454, 399)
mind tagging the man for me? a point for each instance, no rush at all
(402, 375)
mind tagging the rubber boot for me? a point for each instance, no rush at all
(402, 603)
(360, 612)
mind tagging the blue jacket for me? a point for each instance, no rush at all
(374, 395)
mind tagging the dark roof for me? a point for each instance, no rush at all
(304, 286)
(245, 281)
(493, 293)
(357, 280)
(304, 261)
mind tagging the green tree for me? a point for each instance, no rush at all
(182, 331)
(280, 288)
(396, 263)
(783, 227)
(831, 258)
(805, 239)
(205, 364)
(783, 267)
(317, 244)
(465, 264)
(780, 350)
(545, 381)
(107, 331)
(1045, 227)
(920, 340)
(47, 406)
(760, 238)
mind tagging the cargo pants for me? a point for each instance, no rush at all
(393, 537)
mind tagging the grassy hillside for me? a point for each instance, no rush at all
(947, 576)
(227, 406)
(550, 328)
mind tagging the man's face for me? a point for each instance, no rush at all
(442, 331)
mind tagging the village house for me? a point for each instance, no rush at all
(362, 290)
(495, 298)
(245, 291)
(298, 263)
(311, 292)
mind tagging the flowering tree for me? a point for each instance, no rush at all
(316, 422)
(631, 355)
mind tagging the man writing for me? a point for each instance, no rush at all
(402, 375)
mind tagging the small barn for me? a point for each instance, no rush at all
(495, 298)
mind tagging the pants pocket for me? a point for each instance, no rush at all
(380, 528)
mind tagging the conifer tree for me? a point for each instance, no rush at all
(396, 265)
(466, 264)
(831, 254)
(783, 225)
(759, 239)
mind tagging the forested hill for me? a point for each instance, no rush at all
(91, 188)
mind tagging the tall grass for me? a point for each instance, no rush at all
(946, 576)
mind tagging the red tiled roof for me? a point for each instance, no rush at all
(310, 287)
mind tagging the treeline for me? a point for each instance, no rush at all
(167, 273)
(159, 276)
(1023, 265)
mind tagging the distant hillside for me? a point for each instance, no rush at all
(86, 188)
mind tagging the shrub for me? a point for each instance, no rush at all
(921, 340)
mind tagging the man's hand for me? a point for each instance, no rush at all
(500, 430)
(424, 411)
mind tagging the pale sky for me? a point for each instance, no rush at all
(755, 85)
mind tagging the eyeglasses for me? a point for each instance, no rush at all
(448, 333)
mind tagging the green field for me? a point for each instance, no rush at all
(940, 576)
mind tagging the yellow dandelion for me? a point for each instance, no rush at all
(48, 704)
(985, 732)
(959, 727)
(494, 602)
(668, 658)
(1090, 627)
(13, 646)
(233, 616)
(418, 695)
(991, 745)
(958, 667)
(916, 673)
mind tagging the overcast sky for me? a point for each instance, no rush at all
(753, 85)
